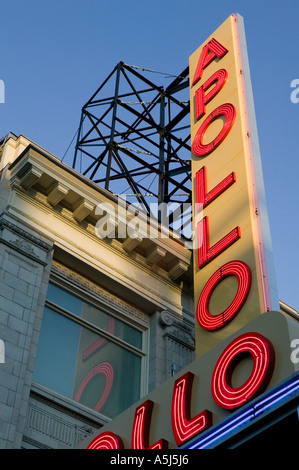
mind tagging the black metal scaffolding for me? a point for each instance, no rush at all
(134, 138)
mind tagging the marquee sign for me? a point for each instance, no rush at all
(228, 380)
(233, 273)
(242, 340)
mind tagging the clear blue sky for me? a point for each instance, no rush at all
(54, 55)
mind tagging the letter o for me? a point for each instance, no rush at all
(213, 322)
(229, 113)
(263, 356)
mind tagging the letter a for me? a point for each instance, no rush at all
(210, 51)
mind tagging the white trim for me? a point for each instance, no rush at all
(263, 227)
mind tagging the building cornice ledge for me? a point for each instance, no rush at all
(37, 171)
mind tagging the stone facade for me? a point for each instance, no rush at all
(47, 231)
(25, 269)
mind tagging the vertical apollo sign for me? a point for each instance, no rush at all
(234, 279)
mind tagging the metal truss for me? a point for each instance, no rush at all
(134, 139)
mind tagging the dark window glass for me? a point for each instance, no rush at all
(94, 315)
(80, 363)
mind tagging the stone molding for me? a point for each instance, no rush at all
(24, 242)
(60, 271)
(41, 174)
(4, 223)
(177, 330)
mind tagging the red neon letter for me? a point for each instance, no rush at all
(140, 430)
(209, 52)
(262, 352)
(219, 79)
(106, 440)
(213, 322)
(229, 112)
(203, 198)
(183, 427)
(206, 254)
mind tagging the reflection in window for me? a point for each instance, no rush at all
(77, 361)
(94, 315)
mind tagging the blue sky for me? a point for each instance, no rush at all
(55, 54)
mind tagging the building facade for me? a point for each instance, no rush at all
(243, 387)
(115, 332)
(89, 323)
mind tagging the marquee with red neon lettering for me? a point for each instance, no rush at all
(242, 339)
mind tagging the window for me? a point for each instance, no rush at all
(87, 354)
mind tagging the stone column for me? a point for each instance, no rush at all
(25, 263)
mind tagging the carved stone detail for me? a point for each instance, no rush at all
(179, 341)
(24, 234)
(48, 426)
(177, 328)
(166, 318)
(23, 245)
(99, 293)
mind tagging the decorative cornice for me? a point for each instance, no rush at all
(116, 246)
(99, 293)
(21, 232)
(76, 198)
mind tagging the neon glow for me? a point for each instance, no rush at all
(243, 274)
(248, 415)
(211, 51)
(218, 79)
(102, 368)
(226, 428)
(184, 428)
(204, 198)
(205, 253)
(227, 111)
(263, 355)
(240, 400)
(141, 427)
(106, 440)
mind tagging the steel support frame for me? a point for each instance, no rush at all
(136, 136)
